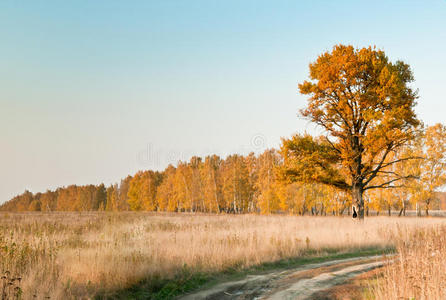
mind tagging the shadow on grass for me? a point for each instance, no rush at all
(188, 280)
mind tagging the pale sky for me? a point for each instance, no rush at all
(91, 91)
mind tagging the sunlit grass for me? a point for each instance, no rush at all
(419, 270)
(72, 255)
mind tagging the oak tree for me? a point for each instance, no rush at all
(365, 106)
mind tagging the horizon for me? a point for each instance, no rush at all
(93, 92)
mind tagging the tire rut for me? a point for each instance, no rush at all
(297, 283)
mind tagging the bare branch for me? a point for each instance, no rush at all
(332, 145)
(387, 184)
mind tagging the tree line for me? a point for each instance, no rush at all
(236, 184)
(248, 184)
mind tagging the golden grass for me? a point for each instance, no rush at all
(419, 270)
(75, 255)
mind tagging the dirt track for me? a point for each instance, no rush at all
(302, 282)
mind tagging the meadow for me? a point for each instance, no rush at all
(86, 255)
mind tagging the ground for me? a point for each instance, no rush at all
(333, 279)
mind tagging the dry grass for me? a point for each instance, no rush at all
(419, 271)
(75, 255)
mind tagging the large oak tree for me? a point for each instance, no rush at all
(364, 104)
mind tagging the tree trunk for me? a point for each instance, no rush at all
(215, 191)
(403, 208)
(358, 200)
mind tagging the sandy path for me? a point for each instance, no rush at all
(298, 283)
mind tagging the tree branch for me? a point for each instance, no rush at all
(387, 184)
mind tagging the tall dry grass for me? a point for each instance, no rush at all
(75, 255)
(419, 270)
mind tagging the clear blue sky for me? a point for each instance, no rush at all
(91, 91)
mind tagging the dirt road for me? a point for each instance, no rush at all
(303, 282)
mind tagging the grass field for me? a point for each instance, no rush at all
(82, 255)
(419, 271)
